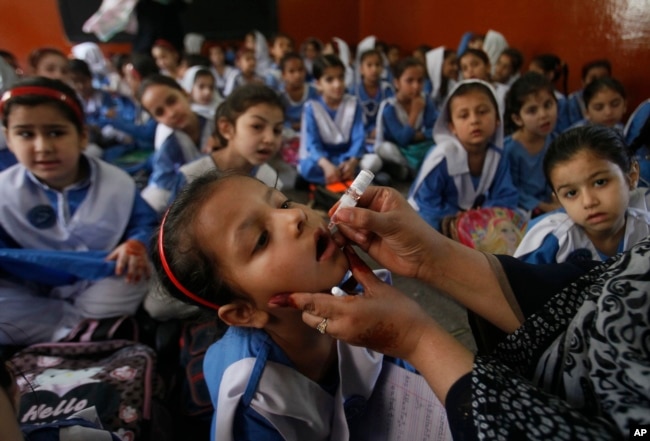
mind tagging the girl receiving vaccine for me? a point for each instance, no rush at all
(467, 168)
(594, 177)
(531, 110)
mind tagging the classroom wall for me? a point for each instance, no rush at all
(576, 30)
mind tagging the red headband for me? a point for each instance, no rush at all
(42, 91)
(166, 44)
(173, 278)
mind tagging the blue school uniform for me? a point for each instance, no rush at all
(173, 149)
(293, 109)
(528, 173)
(370, 104)
(555, 237)
(444, 185)
(273, 77)
(257, 392)
(575, 108)
(7, 158)
(336, 134)
(631, 131)
(82, 223)
(220, 80)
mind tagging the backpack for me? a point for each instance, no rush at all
(117, 377)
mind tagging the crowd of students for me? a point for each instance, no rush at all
(94, 154)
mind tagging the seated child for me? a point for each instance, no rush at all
(593, 176)
(295, 92)
(310, 50)
(371, 91)
(605, 104)
(59, 204)
(442, 68)
(219, 68)
(554, 69)
(231, 244)
(100, 67)
(50, 63)
(475, 64)
(531, 109)
(508, 66)
(180, 135)
(198, 82)
(405, 121)
(332, 143)
(245, 73)
(576, 109)
(168, 58)
(256, 41)
(281, 45)
(98, 104)
(466, 169)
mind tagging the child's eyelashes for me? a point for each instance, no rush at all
(287, 204)
(600, 182)
(262, 241)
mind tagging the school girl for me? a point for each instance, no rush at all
(576, 109)
(199, 83)
(246, 72)
(269, 376)
(605, 104)
(332, 145)
(442, 68)
(168, 58)
(219, 68)
(594, 178)
(554, 69)
(60, 205)
(467, 168)
(405, 121)
(475, 64)
(371, 91)
(508, 66)
(180, 136)
(50, 63)
(295, 90)
(280, 45)
(531, 110)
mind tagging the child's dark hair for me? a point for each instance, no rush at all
(369, 53)
(404, 64)
(288, 57)
(119, 61)
(601, 84)
(158, 80)
(528, 84)
(191, 60)
(55, 92)
(80, 67)
(604, 63)
(479, 53)
(318, 45)
(203, 72)
(187, 261)
(467, 87)
(603, 142)
(550, 63)
(144, 65)
(277, 36)
(326, 61)
(37, 55)
(423, 48)
(516, 58)
(240, 100)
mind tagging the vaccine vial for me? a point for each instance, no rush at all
(352, 194)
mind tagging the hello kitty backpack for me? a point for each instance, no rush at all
(117, 377)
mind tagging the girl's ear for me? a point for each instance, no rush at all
(244, 314)
(226, 128)
(517, 120)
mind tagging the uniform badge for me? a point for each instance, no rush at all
(42, 216)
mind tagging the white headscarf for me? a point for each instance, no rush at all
(91, 54)
(493, 44)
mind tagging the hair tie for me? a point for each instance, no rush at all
(170, 275)
(43, 91)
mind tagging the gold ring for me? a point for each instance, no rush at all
(322, 326)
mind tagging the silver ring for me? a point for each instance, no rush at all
(322, 326)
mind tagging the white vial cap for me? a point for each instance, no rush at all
(363, 180)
